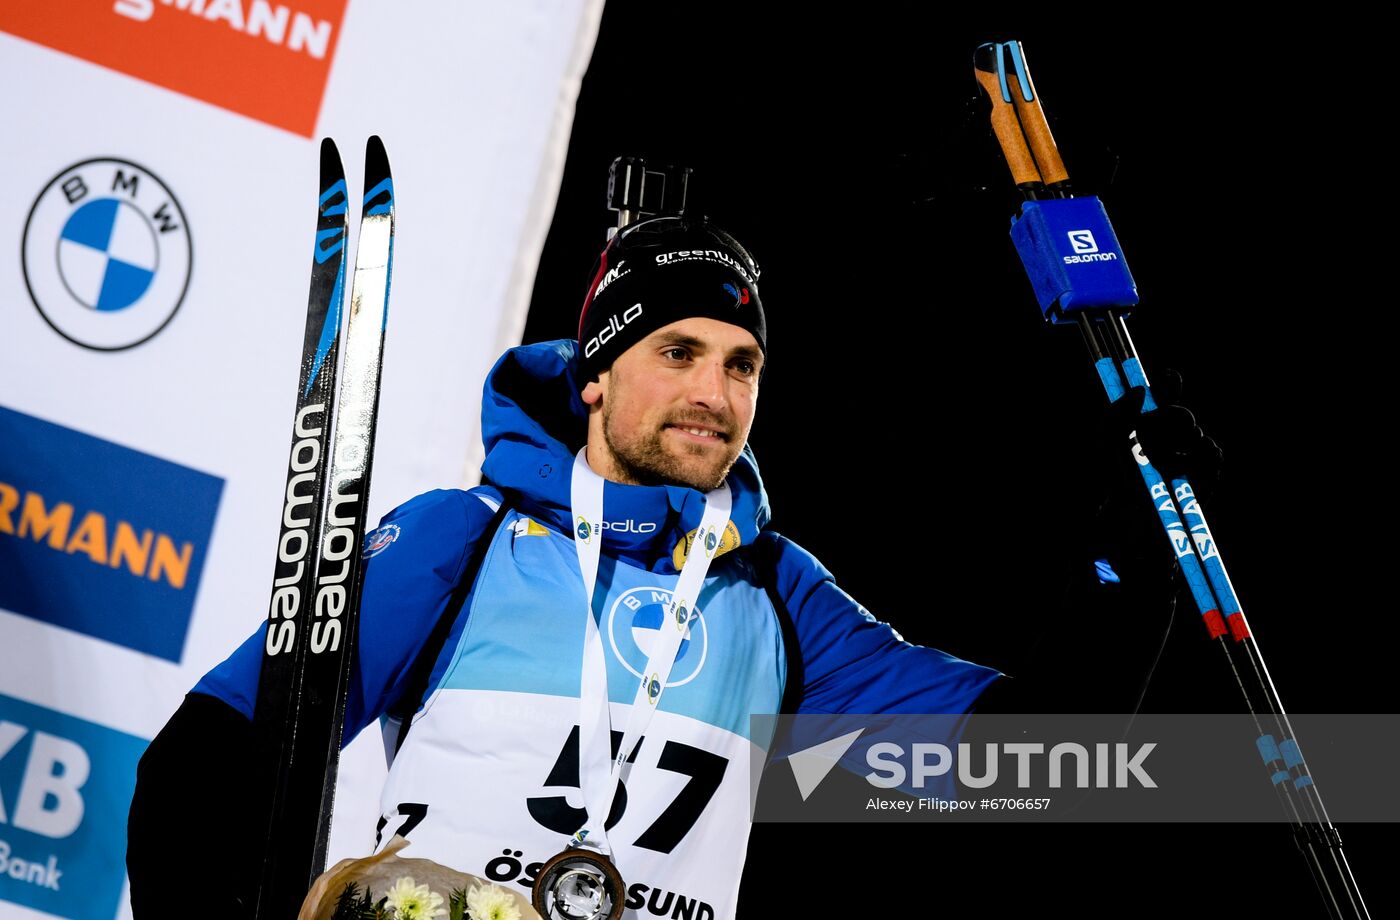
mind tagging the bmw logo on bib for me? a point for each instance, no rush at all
(106, 254)
(634, 626)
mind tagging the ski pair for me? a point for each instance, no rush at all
(1020, 125)
(313, 611)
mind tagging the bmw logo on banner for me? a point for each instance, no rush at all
(106, 254)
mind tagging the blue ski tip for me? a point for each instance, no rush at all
(380, 199)
(330, 207)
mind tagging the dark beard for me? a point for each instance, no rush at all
(647, 462)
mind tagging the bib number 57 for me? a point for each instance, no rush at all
(705, 769)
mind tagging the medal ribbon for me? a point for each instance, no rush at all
(597, 780)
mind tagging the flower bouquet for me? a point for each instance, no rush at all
(387, 886)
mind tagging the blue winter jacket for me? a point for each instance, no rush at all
(533, 422)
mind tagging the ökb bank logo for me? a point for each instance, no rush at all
(65, 790)
(634, 624)
(107, 254)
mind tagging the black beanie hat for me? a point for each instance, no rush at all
(656, 272)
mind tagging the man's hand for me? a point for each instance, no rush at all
(1170, 436)
(1126, 529)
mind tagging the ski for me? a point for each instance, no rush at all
(294, 571)
(323, 628)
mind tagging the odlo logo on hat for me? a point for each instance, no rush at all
(611, 329)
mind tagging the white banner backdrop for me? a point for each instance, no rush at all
(157, 217)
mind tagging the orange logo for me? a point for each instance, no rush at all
(265, 59)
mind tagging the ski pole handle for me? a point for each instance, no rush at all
(995, 82)
(1033, 121)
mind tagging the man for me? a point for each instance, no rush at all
(700, 616)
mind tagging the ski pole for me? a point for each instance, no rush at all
(1118, 364)
(1317, 837)
(1287, 767)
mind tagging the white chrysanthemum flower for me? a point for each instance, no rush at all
(491, 902)
(414, 902)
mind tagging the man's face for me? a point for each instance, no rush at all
(676, 407)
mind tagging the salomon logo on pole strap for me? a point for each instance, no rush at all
(1086, 248)
(1082, 241)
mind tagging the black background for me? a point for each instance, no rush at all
(924, 433)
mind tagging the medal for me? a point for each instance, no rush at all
(582, 883)
(579, 884)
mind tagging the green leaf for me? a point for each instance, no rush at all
(457, 905)
(351, 905)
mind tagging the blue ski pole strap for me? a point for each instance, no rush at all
(1072, 256)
